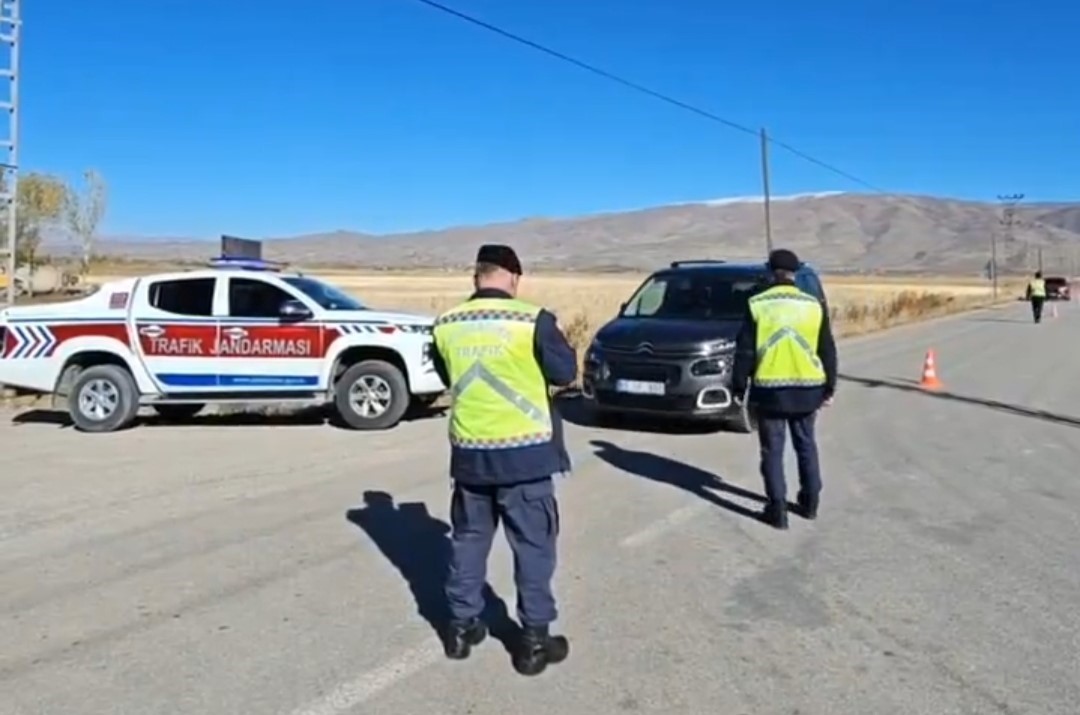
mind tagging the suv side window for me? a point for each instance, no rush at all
(183, 296)
(253, 298)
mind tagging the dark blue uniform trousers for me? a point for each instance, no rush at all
(772, 433)
(530, 517)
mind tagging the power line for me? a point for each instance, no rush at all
(666, 98)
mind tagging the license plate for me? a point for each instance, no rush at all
(637, 387)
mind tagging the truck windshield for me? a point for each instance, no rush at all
(326, 295)
(694, 296)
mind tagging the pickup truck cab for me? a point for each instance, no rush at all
(237, 332)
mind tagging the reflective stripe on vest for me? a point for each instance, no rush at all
(788, 323)
(499, 392)
(1038, 288)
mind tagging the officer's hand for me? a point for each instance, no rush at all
(828, 402)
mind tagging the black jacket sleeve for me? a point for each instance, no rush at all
(745, 355)
(557, 357)
(439, 363)
(827, 354)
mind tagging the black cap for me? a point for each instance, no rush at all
(783, 260)
(501, 256)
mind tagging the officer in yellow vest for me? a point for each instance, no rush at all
(1036, 293)
(499, 355)
(786, 353)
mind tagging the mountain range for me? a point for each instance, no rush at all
(847, 232)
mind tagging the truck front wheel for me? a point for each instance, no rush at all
(371, 395)
(104, 398)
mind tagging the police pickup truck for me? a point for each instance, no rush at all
(240, 331)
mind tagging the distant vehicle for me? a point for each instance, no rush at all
(1057, 288)
(671, 348)
(241, 331)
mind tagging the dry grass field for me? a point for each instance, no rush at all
(583, 302)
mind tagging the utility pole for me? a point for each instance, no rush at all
(1039, 249)
(10, 30)
(765, 189)
(1007, 221)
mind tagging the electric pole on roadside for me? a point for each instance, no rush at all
(766, 190)
(10, 30)
(1007, 221)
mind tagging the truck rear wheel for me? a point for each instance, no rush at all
(104, 398)
(372, 395)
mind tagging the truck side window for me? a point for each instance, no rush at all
(184, 296)
(252, 298)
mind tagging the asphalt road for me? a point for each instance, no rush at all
(233, 568)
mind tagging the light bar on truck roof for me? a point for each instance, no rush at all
(244, 254)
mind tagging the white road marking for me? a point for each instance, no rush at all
(366, 686)
(660, 527)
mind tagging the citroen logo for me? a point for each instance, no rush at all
(644, 348)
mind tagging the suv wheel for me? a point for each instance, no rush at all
(372, 395)
(104, 398)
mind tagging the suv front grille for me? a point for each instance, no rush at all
(644, 371)
(655, 352)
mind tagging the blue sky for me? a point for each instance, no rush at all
(272, 118)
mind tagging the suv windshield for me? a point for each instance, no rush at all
(1056, 282)
(694, 295)
(326, 295)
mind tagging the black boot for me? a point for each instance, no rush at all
(460, 637)
(537, 649)
(775, 515)
(808, 506)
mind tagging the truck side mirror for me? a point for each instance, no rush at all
(294, 311)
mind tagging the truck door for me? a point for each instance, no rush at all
(259, 351)
(177, 332)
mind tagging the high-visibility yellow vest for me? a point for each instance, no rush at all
(788, 325)
(500, 396)
(1037, 288)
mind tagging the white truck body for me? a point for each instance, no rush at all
(215, 335)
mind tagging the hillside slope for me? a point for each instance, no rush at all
(837, 231)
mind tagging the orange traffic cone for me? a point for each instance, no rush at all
(930, 379)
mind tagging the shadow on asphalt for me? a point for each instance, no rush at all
(1001, 320)
(943, 395)
(418, 545)
(665, 470)
(246, 418)
(574, 410)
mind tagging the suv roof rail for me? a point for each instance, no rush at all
(701, 261)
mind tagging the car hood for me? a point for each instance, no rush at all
(396, 318)
(665, 333)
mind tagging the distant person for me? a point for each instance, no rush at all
(498, 355)
(786, 353)
(1036, 293)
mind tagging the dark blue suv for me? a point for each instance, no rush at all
(671, 348)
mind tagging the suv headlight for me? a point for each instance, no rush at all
(592, 353)
(718, 346)
(708, 367)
